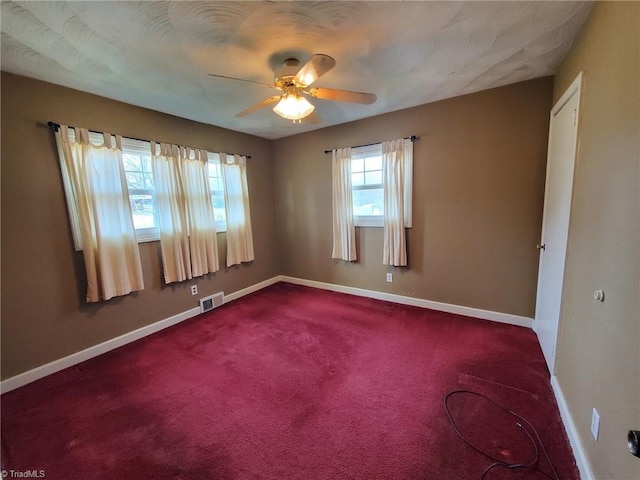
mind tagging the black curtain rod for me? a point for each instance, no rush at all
(413, 138)
(56, 126)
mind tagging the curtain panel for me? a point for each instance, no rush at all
(239, 232)
(95, 180)
(187, 225)
(344, 232)
(397, 166)
(201, 221)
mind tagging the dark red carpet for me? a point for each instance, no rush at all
(293, 383)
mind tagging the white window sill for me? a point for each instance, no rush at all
(368, 221)
(372, 221)
(144, 235)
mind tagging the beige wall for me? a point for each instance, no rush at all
(479, 167)
(44, 316)
(598, 355)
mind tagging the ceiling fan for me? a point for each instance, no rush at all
(294, 81)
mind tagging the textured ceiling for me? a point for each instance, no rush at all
(158, 54)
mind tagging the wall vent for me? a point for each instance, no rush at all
(211, 302)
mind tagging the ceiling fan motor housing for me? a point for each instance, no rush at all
(284, 75)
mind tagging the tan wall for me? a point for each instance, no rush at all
(479, 178)
(44, 316)
(598, 355)
(479, 167)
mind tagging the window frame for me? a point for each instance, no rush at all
(376, 149)
(132, 146)
(214, 158)
(362, 153)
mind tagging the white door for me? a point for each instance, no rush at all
(563, 134)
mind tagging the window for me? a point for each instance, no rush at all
(366, 183)
(216, 187)
(136, 157)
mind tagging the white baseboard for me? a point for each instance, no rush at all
(416, 302)
(78, 357)
(253, 288)
(574, 439)
(75, 358)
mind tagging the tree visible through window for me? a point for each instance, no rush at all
(141, 190)
(136, 157)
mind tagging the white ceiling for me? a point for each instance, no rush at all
(158, 54)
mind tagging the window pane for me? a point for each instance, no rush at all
(146, 164)
(357, 165)
(131, 162)
(148, 181)
(357, 179)
(217, 199)
(373, 178)
(135, 180)
(142, 208)
(373, 163)
(368, 202)
(139, 174)
(216, 187)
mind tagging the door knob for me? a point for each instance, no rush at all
(634, 442)
(540, 246)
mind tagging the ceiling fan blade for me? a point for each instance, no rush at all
(342, 95)
(317, 66)
(270, 85)
(258, 106)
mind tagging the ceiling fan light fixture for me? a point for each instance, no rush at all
(293, 106)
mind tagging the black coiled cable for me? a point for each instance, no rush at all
(496, 461)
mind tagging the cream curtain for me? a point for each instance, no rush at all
(203, 241)
(95, 175)
(395, 167)
(344, 232)
(239, 233)
(187, 226)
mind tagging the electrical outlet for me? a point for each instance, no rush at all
(389, 277)
(194, 289)
(595, 424)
